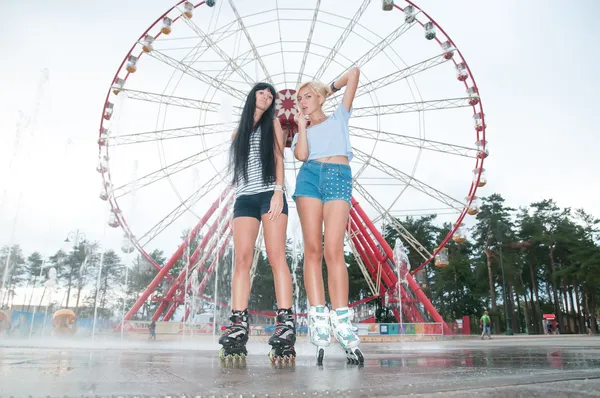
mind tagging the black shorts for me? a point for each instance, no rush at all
(256, 205)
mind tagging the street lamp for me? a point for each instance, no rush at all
(75, 236)
(509, 331)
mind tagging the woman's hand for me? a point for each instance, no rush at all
(300, 119)
(276, 205)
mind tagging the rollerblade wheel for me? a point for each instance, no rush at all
(359, 356)
(355, 357)
(320, 355)
(273, 355)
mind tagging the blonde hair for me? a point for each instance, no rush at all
(316, 87)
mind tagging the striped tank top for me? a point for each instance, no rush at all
(254, 184)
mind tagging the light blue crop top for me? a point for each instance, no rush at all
(330, 138)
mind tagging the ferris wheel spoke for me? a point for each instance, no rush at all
(350, 236)
(217, 232)
(210, 80)
(171, 100)
(382, 45)
(308, 43)
(409, 180)
(169, 134)
(181, 209)
(251, 42)
(421, 213)
(391, 220)
(171, 169)
(421, 106)
(341, 40)
(220, 52)
(391, 78)
(221, 33)
(384, 136)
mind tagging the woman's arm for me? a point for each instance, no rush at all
(350, 81)
(279, 167)
(276, 206)
(301, 148)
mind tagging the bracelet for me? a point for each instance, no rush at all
(279, 188)
(333, 87)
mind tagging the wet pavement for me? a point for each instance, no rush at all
(517, 366)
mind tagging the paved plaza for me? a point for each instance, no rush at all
(506, 366)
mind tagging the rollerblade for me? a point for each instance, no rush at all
(284, 338)
(346, 335)
(234, 338)
(318, 326)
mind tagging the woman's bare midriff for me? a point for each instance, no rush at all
(334, 159)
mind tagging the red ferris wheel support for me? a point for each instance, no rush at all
(374, 251)
(181, 287)
(378, 257)
(163, 274)
(176, 286)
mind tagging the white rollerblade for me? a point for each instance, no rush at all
(319, 329)
(346, 335)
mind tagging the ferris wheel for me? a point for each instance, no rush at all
(417, 126)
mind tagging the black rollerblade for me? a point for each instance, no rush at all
(284, 338)
(235, 337)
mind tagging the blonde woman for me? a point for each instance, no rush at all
(322, 196)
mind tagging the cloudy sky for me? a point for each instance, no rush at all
(533, 62)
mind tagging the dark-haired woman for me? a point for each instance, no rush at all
(258, 176)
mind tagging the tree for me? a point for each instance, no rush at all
(69, 270)
(454, 289)
(33, 269)
(495, 228)
(546, 218)
(86, 256)
(424, 231)
(140, 275)
(11, 272)
(108, 275)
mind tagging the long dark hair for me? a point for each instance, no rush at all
(240, 147)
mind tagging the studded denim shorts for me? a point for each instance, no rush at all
(324, 181)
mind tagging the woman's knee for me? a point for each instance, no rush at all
(243, 260)
(334, 254)
(313, 252)
(276, 257)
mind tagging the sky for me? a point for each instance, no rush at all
(534, 63)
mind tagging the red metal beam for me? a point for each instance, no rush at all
(210, 269)
(177, 284)
(168, 297)
(209, 233)
(163, 273)
(204, 282)
(372, 268)
(390, 273)
(209, 272)
(371, 250)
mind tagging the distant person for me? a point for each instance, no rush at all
(548, 327)
(486, 325)
(152, 329)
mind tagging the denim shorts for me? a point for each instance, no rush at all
(324, 181)
(255, 205)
